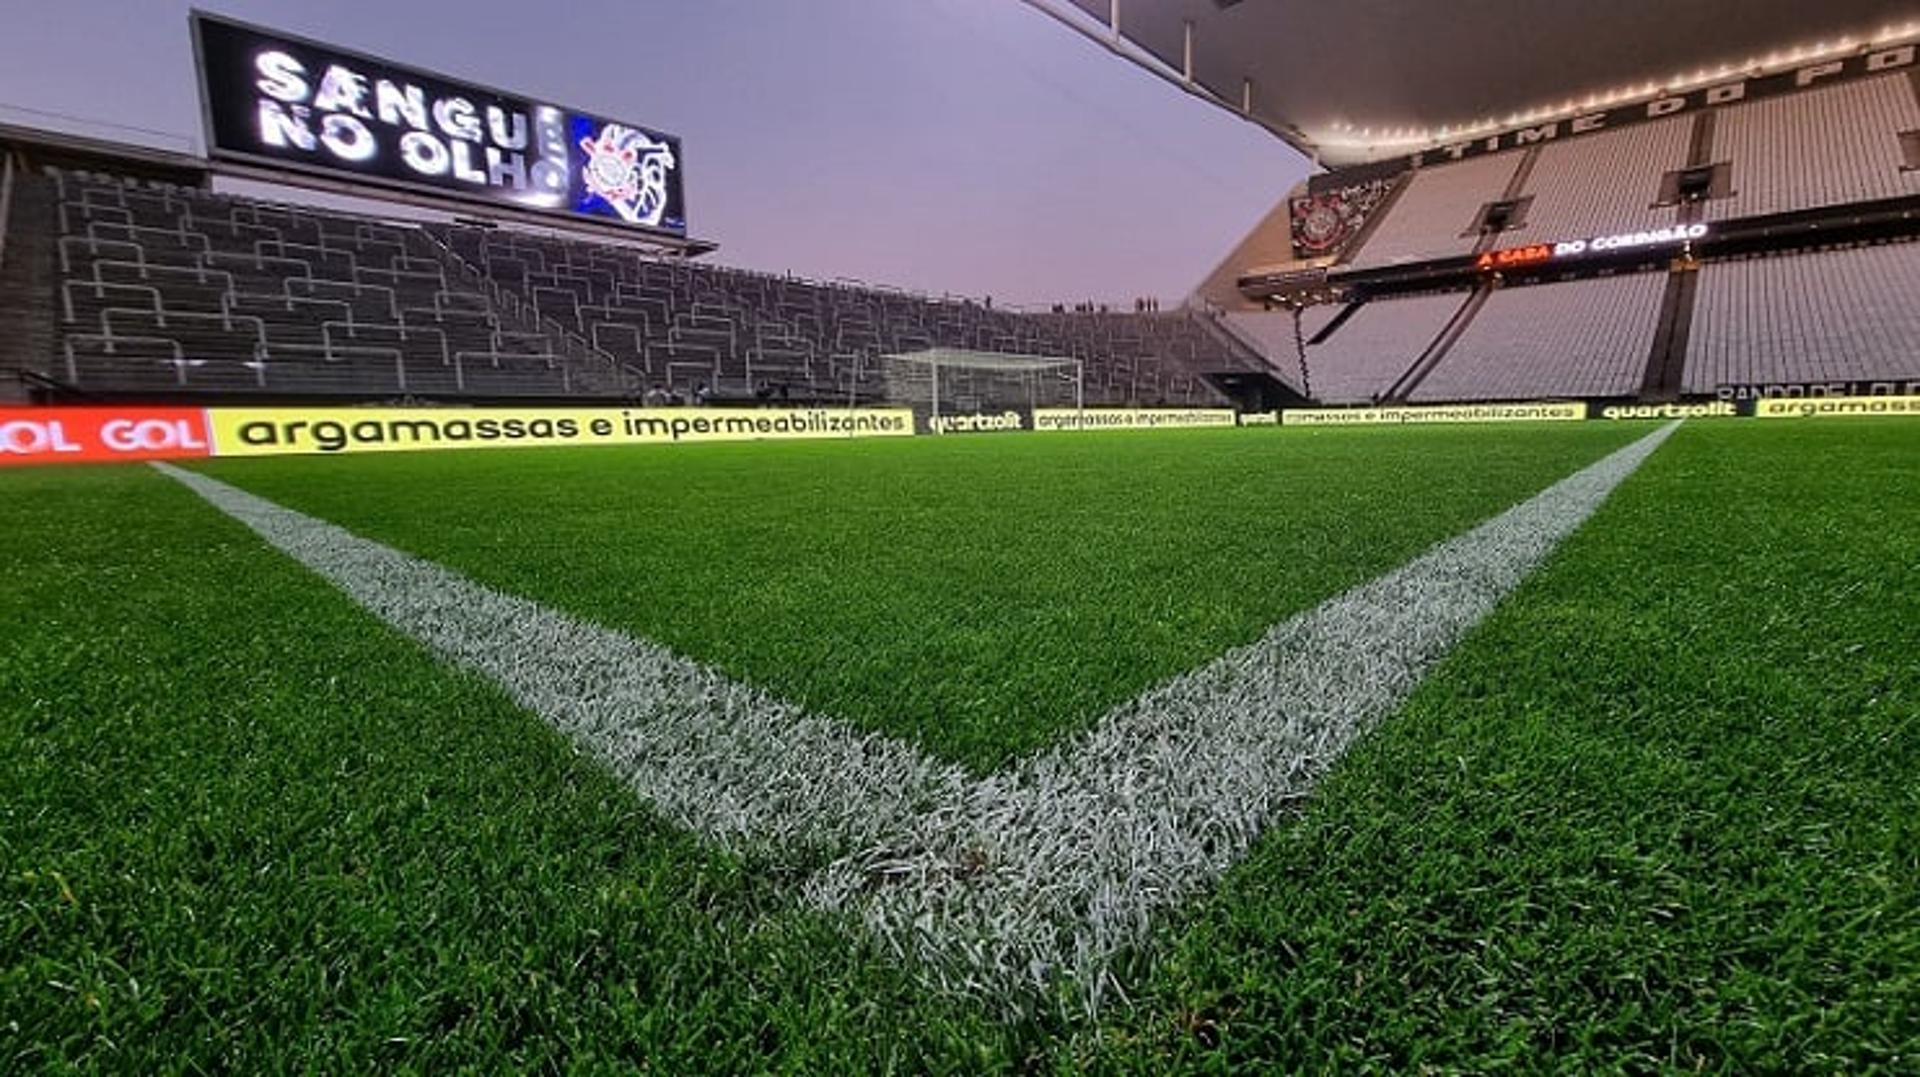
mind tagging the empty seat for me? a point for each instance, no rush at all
(1586, 338)
(1436, 215)
(1362, 359)
(1839, 315)
(1822, 147)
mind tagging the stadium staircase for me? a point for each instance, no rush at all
(1436, 351)
(596, 372)
(27, 322)
(1289, 388)
(1346, 314)
(1666, 363)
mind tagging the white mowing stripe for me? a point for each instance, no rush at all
(1046, 871)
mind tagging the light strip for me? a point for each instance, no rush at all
(1340, 135)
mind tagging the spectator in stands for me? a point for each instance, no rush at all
(700, 395)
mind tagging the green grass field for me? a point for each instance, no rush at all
(1661, 810)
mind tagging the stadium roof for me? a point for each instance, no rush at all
(1347, 81)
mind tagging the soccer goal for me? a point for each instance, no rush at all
(952, 383)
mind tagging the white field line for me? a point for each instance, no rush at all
(714, 756)
(1040, 875)
(1051, 869)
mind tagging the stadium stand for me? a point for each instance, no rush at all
(1819, 297)
(1827, 316)
(1821, 147)
(1604, 183)
(1362, 359)
(684, 325)
(1583, 338)
(171, 289)
(159, 287)
(166, 288)
(1435, 215)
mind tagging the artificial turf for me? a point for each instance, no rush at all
(980, 596)
(245, 828)
(1660, 811)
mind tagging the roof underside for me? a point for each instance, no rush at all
(1356, 80)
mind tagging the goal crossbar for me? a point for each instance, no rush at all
(925, 368)
(997, 361)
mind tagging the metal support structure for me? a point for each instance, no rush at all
(1300, 348)
(1186, 52)
(1113, 42)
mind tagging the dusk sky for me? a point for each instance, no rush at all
(970, 146)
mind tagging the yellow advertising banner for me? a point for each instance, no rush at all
(1562, 411)
(1132, 418)
(1821, 407)
(1715, 409)
(279, 431)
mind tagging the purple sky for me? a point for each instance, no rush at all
(971, 146)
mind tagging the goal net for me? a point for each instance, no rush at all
(950, 382)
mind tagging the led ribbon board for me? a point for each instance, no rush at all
(1537, 253)
(278, 101)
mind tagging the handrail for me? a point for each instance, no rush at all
(574, 347)
(179, 359)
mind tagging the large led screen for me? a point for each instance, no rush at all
(278, 101)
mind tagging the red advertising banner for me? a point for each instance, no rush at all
(61, 435)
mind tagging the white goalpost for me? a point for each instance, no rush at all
(953, 382)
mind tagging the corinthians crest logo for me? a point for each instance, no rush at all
(628, 170)
(1326, 221)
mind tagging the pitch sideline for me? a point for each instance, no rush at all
(1051, 867)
